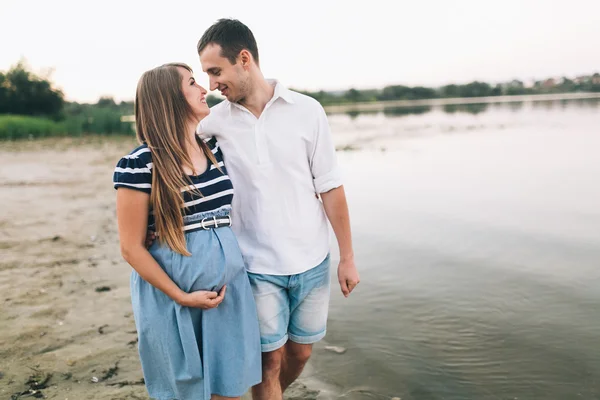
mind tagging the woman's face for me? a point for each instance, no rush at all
(194, 93)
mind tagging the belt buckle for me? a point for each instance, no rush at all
(216, 223)
(202, 224)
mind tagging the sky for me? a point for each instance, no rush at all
(101, 48)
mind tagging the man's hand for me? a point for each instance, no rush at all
(336, 208)
(348, 276)
(150, 238)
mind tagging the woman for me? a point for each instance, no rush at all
(193, 306)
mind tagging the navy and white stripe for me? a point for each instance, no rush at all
(134, 171)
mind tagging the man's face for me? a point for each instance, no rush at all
(230, 79)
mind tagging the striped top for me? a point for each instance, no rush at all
(134, 171)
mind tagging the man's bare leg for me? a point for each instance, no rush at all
(294, 359)
(217, 397)
(270, 387)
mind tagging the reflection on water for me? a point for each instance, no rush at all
(513, 106)
(477, 237)
(479, 108)
(468, 108)
(353, 113)
(399, 111)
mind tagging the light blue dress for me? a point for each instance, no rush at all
(190, 353)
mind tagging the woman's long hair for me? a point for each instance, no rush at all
(161, 115)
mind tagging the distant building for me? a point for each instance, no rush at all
(513, 87)
(549, 83)
(580, 80)
(515, 84)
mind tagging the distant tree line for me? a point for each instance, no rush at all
(30, 103)
(24, 93)
(31, 106)
(473, 89)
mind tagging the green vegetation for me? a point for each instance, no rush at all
(105, 117)
(21, 127)
(213, 100)
(24, 93)
(589, 83)
(30, 107)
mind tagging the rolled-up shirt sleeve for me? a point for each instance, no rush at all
(323, 161)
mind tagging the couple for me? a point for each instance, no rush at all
(235, 290)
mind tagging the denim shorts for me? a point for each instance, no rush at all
(292, 307)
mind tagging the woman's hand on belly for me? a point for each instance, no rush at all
(202, 299)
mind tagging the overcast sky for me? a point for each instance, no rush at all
(102, 47)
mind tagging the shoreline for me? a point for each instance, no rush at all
(381, 105)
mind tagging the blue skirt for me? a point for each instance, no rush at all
(190, 353)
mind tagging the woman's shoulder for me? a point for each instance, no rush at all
(142, 153)
(138, 157)
(135, 170)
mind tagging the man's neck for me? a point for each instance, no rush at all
(260, 95)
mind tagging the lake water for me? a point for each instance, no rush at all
(477, 236)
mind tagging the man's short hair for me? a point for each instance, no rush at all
(233, 37)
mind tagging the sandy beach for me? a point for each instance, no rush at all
(66, 327)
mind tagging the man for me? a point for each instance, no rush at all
(279, 154)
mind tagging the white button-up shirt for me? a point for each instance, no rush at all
(277, 163)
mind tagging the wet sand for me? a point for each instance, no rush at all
(66, 326)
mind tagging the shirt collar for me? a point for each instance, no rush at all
(280, 91)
